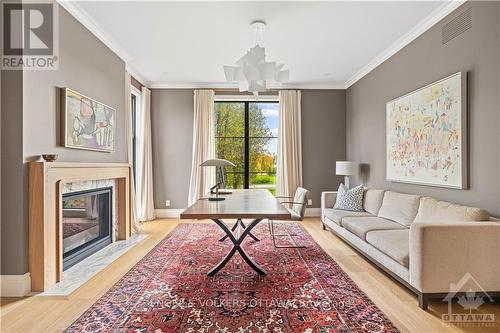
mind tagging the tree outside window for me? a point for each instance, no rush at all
(247, 135)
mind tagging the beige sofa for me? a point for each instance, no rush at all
(425, 244)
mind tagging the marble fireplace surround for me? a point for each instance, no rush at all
(47, 183)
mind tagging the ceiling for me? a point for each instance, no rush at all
(324, 44)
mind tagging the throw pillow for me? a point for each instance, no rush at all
(350, 199)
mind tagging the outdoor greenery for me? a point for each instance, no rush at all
(264, 179)
(230, 141)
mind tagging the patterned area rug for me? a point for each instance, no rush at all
(168, 290)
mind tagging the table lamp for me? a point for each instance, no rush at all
(346, 168)
(219, 164)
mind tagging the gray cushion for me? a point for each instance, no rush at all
(399, 207)
(350, 199)
(373, 200)
(393, 243)
(336, 215)
(360, 226)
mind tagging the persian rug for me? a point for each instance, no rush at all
(70, 229)
(305, 290)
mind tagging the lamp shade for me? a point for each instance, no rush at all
(217, 162)
(346, 168)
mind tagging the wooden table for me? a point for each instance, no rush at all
(255, 204)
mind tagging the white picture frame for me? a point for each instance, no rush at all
(427, 135)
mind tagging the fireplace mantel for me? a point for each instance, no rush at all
(45, 217)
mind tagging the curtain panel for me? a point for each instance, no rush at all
(289, 161)
(144, 168)
(203, 145)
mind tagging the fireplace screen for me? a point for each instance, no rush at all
(86, 226)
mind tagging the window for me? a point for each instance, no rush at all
(247, 135)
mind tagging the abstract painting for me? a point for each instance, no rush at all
(88, 124)
(427, 135)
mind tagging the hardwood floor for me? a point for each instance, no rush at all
(54, 314)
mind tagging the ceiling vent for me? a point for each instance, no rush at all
(457, 26)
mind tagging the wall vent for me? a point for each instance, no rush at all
(457, 26)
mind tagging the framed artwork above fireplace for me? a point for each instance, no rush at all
(87, 123)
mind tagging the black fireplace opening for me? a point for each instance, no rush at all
(86, 223)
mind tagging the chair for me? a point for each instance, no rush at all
(297, 211)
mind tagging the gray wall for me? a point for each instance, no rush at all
(425, 60)
(87, 66)
(172, 133)
(14, 230)
(323, 142)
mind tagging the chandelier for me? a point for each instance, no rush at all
(252, 71)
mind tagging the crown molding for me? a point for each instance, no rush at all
(231, 85)
(81, 15)
(437, 15)
(133, 72)
(191, 85)
(246, 97)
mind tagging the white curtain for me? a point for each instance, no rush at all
(203, 145)
(289, 163)
(128, 124)
(144, 167)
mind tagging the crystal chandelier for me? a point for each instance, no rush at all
(252, 72)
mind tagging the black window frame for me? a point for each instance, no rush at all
(246, 138)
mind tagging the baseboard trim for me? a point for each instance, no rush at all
(15, 285)
(176, 213)
(168, 213)
(313, 212)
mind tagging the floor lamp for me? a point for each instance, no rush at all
(346, 169)
(219, 164)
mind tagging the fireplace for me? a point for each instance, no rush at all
(86, 223)
(48, 185)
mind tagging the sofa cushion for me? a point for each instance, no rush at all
(360, 226)
(432, 210)
(393, 243)
(336, 215)
(373, 200)
(350, 199)
(399, 207)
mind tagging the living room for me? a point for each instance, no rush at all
(250, 166)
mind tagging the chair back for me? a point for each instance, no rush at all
(301, 195)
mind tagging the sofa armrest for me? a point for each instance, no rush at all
(327, 200)
(443, 253)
